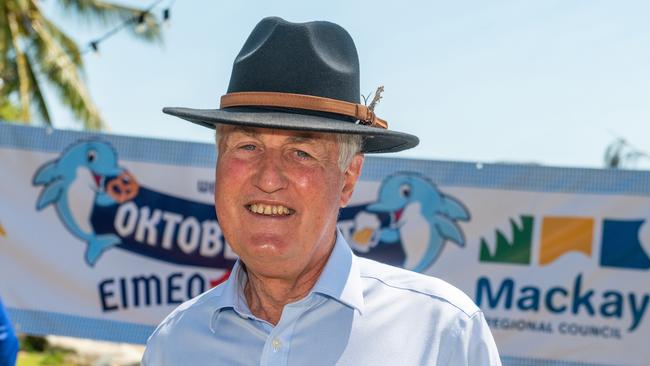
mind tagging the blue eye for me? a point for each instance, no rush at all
(248, 147)
(303, 155)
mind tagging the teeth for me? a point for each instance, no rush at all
(263, 209)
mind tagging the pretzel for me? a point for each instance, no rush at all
(123, 187)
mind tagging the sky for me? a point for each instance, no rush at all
(543, 82)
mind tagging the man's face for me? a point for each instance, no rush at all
(277, 197)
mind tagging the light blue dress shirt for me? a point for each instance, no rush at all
(360, 312)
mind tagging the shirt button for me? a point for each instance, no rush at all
(276, 344)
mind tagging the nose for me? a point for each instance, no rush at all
(270, 176)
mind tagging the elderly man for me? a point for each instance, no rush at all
(291, 136)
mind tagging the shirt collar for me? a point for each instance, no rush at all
(231, 293)
(340, 280)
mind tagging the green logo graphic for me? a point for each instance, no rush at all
(517, 250)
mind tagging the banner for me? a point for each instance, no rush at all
(101, 236)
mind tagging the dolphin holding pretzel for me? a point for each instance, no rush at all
(112, 185)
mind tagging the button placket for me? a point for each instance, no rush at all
(274, 353)
(279, 339)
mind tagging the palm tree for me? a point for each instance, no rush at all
(35, 51)
(621, 155)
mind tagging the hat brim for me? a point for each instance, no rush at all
(376, 140)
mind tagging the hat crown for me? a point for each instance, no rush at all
(315, 58)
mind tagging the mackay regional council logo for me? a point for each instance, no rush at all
(616, 245)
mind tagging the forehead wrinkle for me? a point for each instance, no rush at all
(302, 139)
(312, 137)
(293, 137)
(244, 130)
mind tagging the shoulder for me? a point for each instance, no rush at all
(417, 285)
(170, 339)
(171, 335)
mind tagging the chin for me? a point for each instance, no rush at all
(269, 264)
(267, 245)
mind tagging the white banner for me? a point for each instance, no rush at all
(102, 236)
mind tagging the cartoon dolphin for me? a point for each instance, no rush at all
(422, 217)
(100, 159)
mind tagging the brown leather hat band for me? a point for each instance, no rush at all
(302, 101)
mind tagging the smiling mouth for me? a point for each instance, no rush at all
(270, 210)
(99, 182)
(397, 215)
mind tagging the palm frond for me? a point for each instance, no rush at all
(38, 99)
(7, 73)
(67, 43)
(94, 10)
(21, 63)
(110, 14)
(64, 76)
(9, 112)
(4, 35)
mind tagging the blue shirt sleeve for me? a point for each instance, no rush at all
(8, 340)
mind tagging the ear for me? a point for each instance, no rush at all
(351, 175)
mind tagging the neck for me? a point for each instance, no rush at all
(266, 296)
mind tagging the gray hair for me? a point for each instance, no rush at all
(349, 145)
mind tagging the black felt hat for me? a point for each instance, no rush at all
(299, 76)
